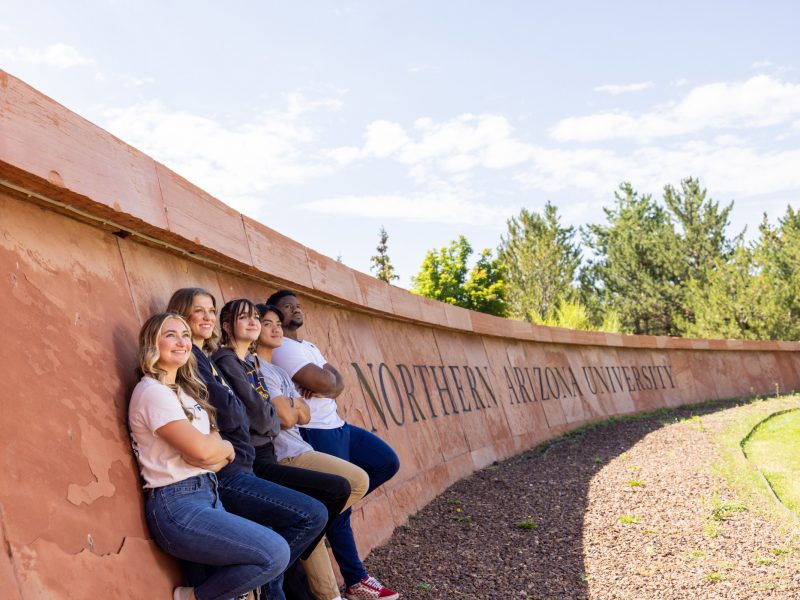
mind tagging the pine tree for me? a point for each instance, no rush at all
(636, 267)
(381, 265)
(734, 300)
(755, 292)
(539, 261)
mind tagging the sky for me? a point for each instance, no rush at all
(329, 120)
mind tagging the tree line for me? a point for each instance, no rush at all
(665, 266)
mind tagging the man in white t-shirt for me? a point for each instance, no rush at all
(321, 383)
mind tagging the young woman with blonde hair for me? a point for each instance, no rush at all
(177, 444)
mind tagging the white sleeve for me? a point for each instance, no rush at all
(290, 357)
(158, 406)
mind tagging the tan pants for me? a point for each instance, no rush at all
(318, 565)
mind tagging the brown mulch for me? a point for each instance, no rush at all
(630, 509)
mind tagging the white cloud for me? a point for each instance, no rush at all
(58, 55)
(628, 88)
(432, 206)
(384, 138)
(451, 164)
(130, 81)
(126, 81)
(726, 165)
(237, 164)
(345, 154)
(452, 147)
(453, 152)
(758, 102)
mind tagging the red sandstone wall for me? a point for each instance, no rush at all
(94, 236)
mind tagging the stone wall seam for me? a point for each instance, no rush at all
(161, 193)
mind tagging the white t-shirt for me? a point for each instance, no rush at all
(152, 406)
(289, 443)
(291, 356)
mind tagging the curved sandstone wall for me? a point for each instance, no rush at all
(94, 236)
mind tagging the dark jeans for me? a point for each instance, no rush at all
(372, 454)
(332, 490)
(188, 521)
(294, 516)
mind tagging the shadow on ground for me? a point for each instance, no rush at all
(515, 529)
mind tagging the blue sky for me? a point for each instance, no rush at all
(326, 120)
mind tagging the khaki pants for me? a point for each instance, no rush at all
(318, 565)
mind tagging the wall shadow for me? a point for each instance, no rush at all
(515, 529)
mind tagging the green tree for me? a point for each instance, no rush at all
(381, 265)
(570, 314)
(636, 267)
(755, 294)
(702, 241)
(778, 259)
(539, 260)
(734, 300)
(702, 227)
(446, 276)
(485, 288)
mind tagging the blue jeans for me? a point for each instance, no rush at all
(296, 517)
(372, 454)
(188, 521)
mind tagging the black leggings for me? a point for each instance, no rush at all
(332, 490)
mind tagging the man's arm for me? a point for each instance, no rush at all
(324, 381)
(292, 411)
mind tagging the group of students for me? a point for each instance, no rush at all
(246, 461)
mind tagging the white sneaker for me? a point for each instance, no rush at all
(182, 593)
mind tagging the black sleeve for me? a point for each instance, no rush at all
(230, 412)
(259, 411)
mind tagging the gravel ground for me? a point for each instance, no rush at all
(627, 510)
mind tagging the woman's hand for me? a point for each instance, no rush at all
(196, 448)
(213, 466)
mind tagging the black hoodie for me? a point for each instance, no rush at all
(249, 386)
(231, 415)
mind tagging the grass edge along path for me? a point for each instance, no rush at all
(742, 474)
(773, 446)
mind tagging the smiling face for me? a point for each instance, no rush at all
(174, 346)
(202, 318)
(246, 327)
(271, 331)
(292, 312)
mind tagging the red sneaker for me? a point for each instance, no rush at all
(368, 589)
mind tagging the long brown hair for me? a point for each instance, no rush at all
(228, 315)
(182, 302)
(186, 379)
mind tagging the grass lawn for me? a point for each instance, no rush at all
(741, 473)
(775, 448)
